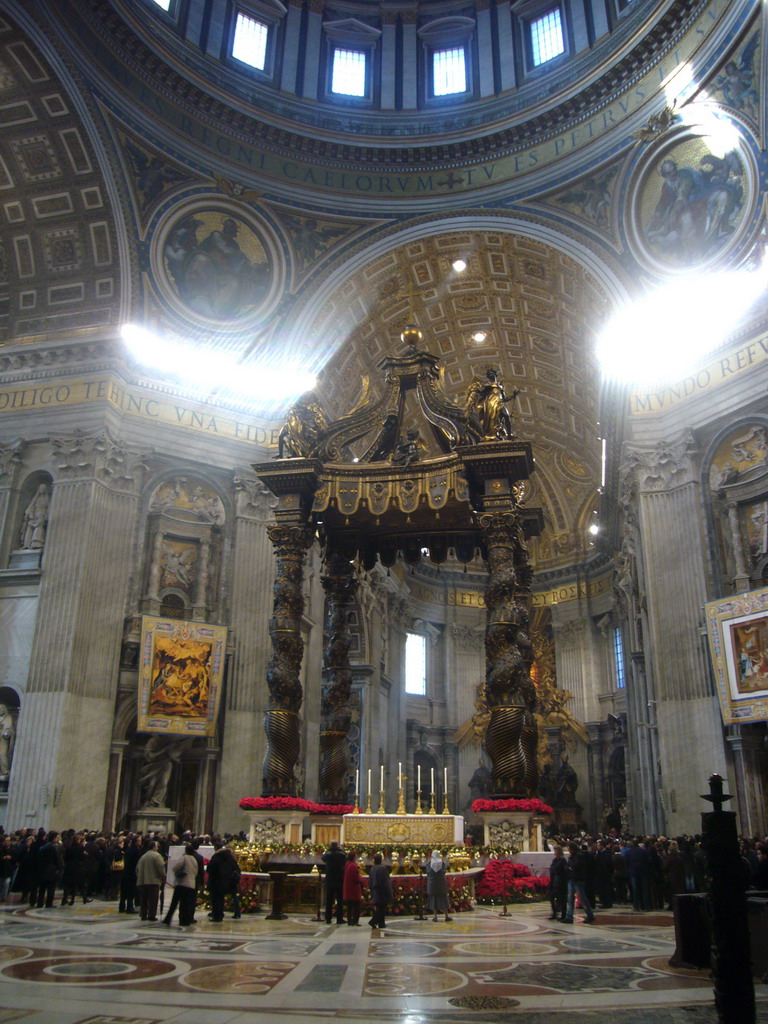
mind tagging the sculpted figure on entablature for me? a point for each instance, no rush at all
(303, 430)
(487, 400)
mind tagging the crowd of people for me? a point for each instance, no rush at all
(644, 871)
(132, 869)
(129, 868)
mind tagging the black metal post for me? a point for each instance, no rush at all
(731, 958)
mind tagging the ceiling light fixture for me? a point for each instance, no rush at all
(479, 337)
(459, 265)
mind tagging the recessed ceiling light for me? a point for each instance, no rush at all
(479, 337)
(459, 265)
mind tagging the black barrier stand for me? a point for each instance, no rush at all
(731, 960)
(421, 916)
(504, 895)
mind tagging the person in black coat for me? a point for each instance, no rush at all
(558, 885)
(129, 893)
(50, 867)
(335, 861)
(604, 873)
(223, 876)
(73, 878)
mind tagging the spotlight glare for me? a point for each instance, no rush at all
(479, 337)
(662, 336)
(459, 265)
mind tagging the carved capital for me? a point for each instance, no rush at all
(254, 500)
(101, 457)
(570, 634)
(466, 638)
(661, 466)
(10, 460)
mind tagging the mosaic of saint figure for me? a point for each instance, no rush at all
(698, 207)
(213, 274)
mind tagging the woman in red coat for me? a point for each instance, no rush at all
(352, 892)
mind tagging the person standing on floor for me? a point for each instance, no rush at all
(335, 861)
(437, 886)
(352, 889)
(578, 868)
(223, 872)
(558, 885)
(184, 890)
(150, 875)
(381, 891)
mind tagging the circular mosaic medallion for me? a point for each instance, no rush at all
(255, 978)
(410, 980)
(82, 970)
(216, 263)
(693, 197)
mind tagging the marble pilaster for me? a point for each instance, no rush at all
(65, 727)
(243, 741)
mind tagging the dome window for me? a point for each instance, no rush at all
(547, 40)
(249, 44)
(449, 71)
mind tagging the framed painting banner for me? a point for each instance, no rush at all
(738, 641)
(180, 675)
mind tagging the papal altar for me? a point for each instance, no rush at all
(403, 829)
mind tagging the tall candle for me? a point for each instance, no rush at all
(445, 780)
(381, 779)
(432, 780)
(418, 777)
(369, 782)
(357, 781)
(399, 774)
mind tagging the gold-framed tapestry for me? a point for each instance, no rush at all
(181, 670)
(738, 641)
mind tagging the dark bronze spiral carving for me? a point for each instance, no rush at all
(283, 745)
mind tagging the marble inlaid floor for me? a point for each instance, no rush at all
(90, 965)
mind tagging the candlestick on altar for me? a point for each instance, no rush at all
(368, 804)
(381, 802)
(381, 777)
(356, 809)
(418, 789)
(399, 774)
(445, 791)
(432, 791)
(401, 796)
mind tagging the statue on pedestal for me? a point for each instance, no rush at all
(160, 755)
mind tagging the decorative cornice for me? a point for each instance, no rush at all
(661, 466)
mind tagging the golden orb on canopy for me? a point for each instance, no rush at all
(411, 335)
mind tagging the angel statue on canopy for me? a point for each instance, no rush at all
(487, 400)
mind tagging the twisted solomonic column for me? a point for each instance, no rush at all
(281, 720)
(340, 585)
(509, 656)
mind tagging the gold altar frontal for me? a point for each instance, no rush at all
(403, 829)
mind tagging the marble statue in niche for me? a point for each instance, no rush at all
(35, 522)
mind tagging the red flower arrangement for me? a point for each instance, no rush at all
(535, 806)
(507, 881)
(292, 803)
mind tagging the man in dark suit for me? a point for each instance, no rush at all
(335, 861)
